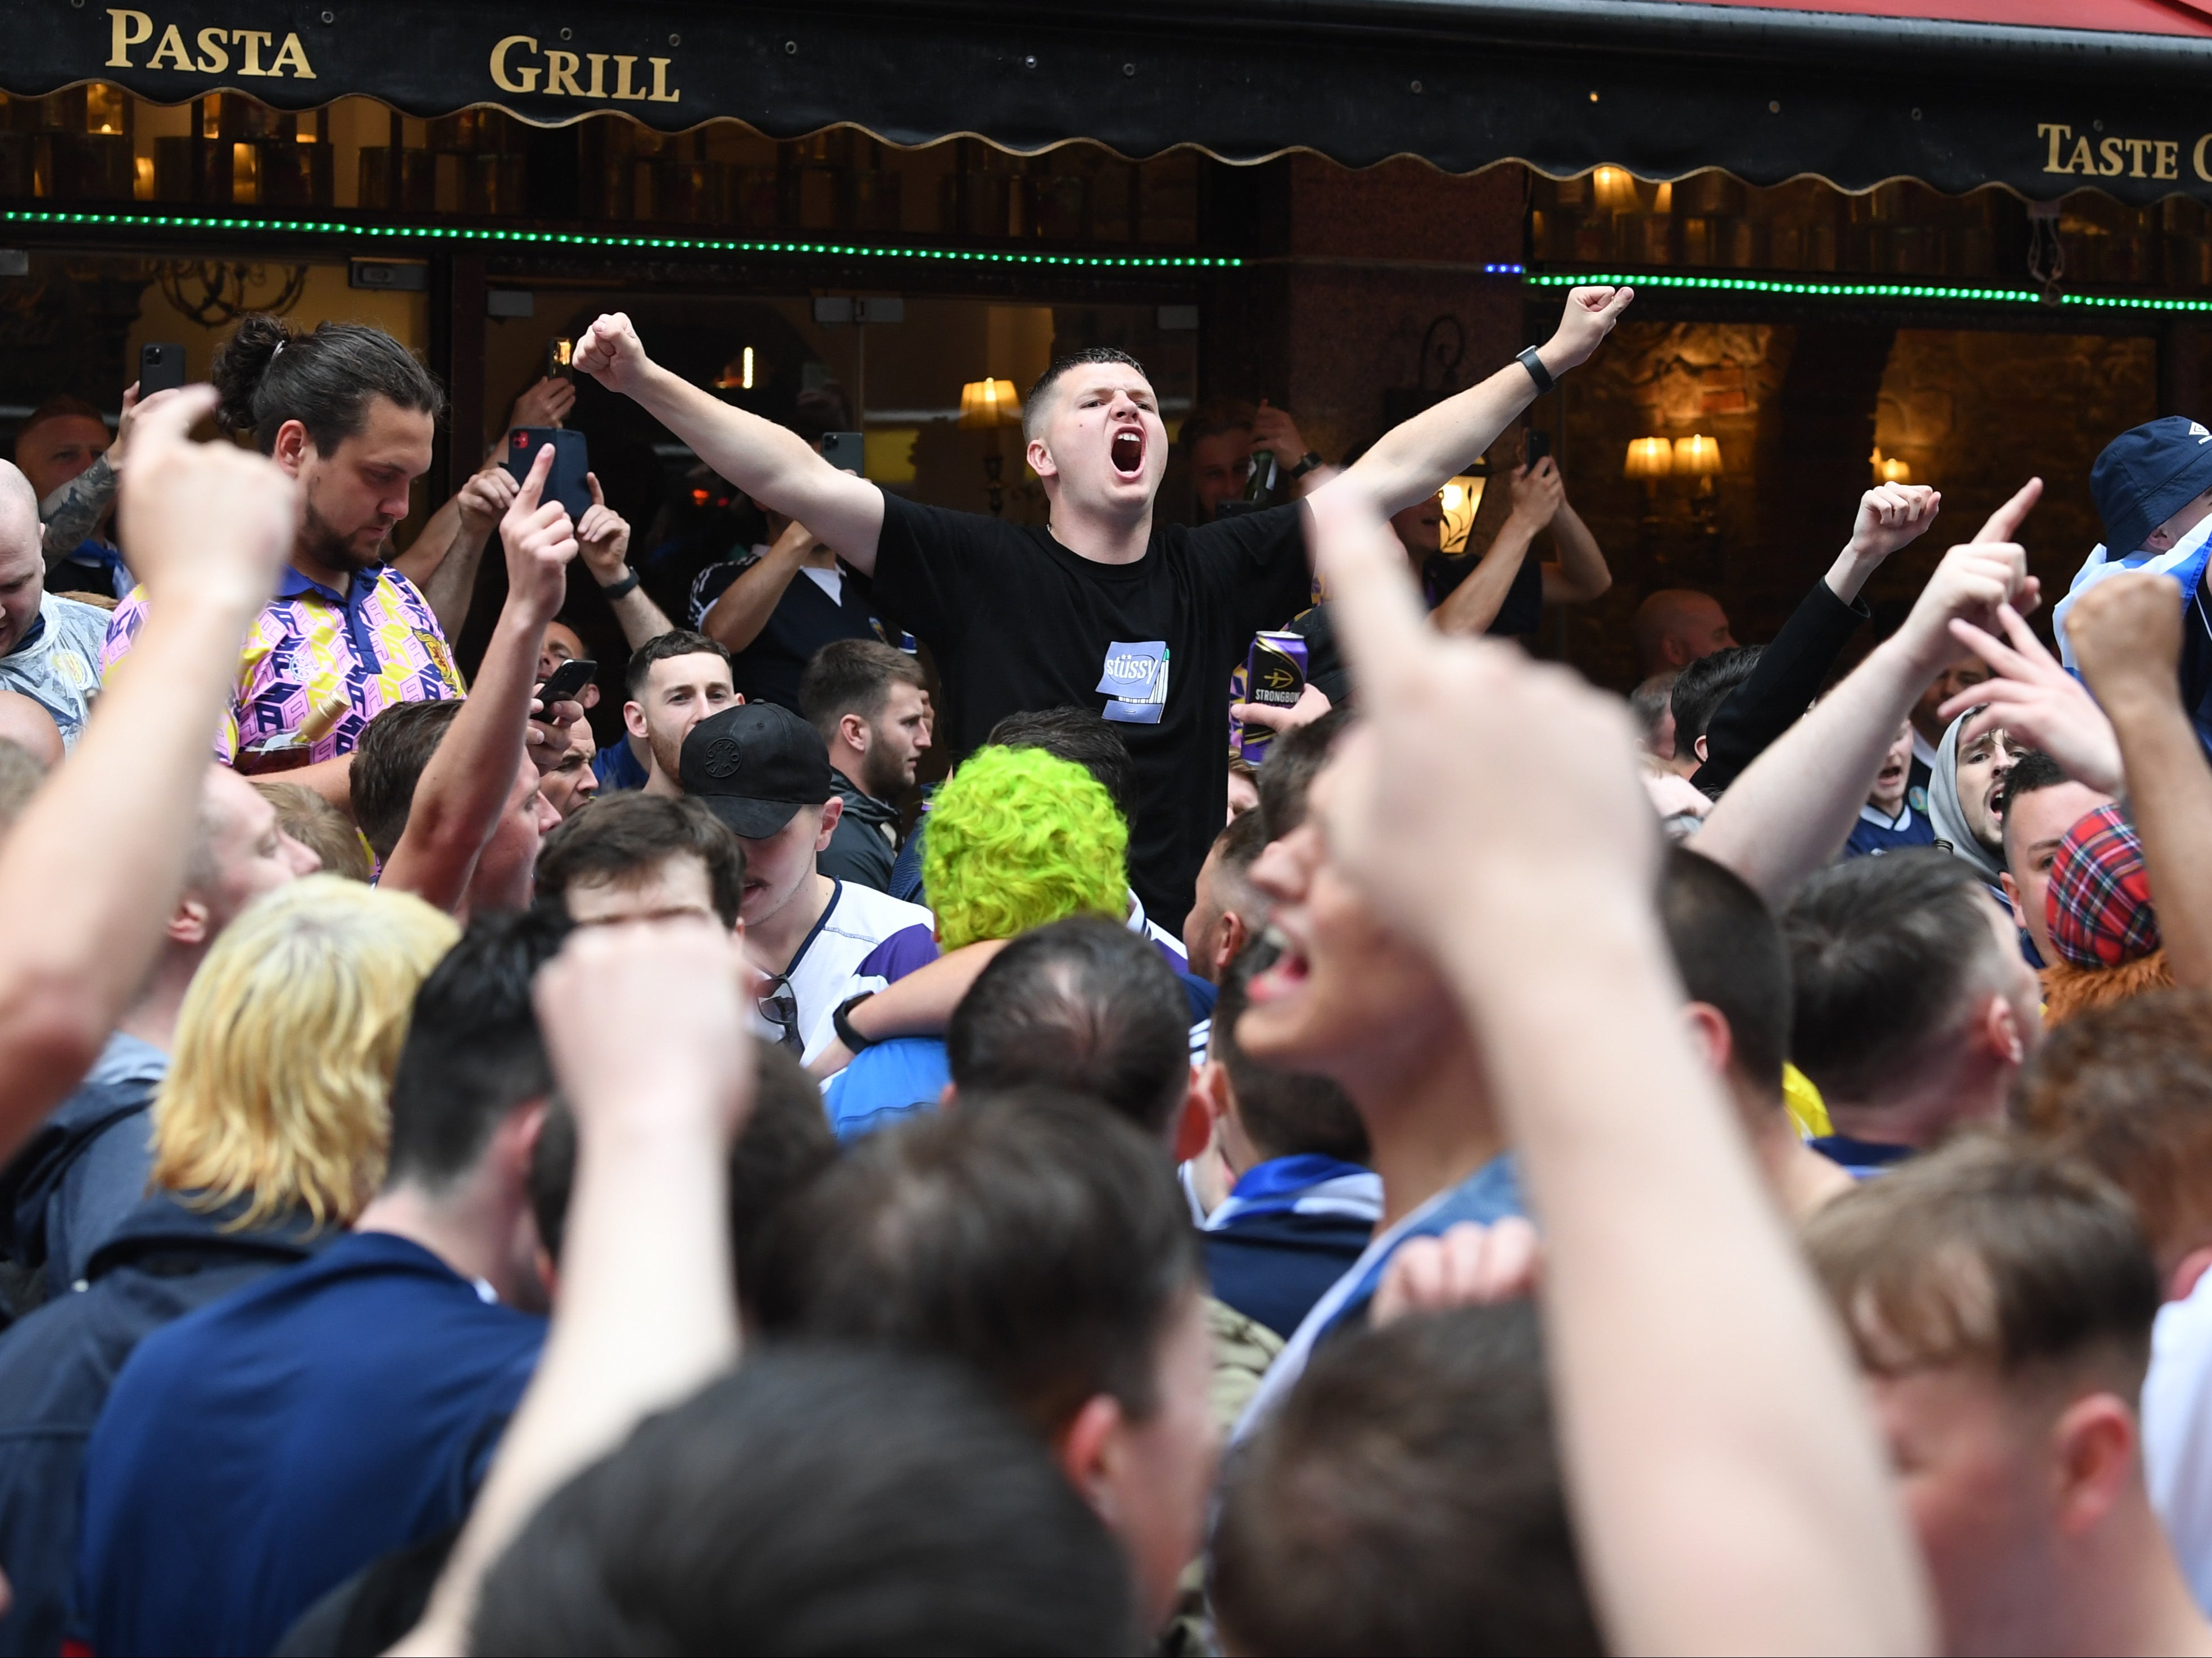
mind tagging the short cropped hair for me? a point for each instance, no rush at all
(1989, 1251)
(1285, 1113)
(1033, 406)
(665, 647)
(851, 675)
(473, 1051)
(2127, 1090)
(816, 1501)
(389, 762)
(1406, 1498)
(1884, 953)
(62, 405)
(1652, 698)
(2032, 773)
(320, 827)
(1018, 838)
(268, 373)
(1039, 1240)
(786, 1142)
(1730, 956)
(1242, 840)
(1084, 1005)
(1703, 685)
(1088, 739)
(285, 1048)
(1286, 775)
(622, 838)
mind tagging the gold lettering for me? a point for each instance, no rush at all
(252, 40)
(561, 75)
(660, 94)
(211, 46)
(2109, 149)
(2081, 161)
(2169, 154)
(170, 53)
(2057, 135)
(295, 54)
(524, 79)
(598, 62)
(129, 29)
(2197, 158)
(2136, 147)
(623, 91)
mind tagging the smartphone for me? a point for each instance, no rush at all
(571, 460)
(559, 359)
(845, 450)
(566, 683)
(161, 369)
(1536, 444)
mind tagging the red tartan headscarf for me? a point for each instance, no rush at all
(2098, 906)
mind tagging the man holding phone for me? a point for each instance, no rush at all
(64, 450)
(1105, 609)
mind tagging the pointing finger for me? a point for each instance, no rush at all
(2003, 522)
(533, 486)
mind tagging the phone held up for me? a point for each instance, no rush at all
(559, 359)
(845, 450)
(1536, 444)
(161, 368)
(572, 459)
(565, 683)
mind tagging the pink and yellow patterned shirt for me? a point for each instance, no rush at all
(318, 666)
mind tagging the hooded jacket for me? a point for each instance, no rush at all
(57, 1367)
(1949, 817)
(865, 844)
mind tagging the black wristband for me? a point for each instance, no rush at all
(1534, 364)
(1307, 462)
(853, 1041)
(615, 589)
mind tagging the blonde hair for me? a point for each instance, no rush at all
(285, 1048)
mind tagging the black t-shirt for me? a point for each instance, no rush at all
(1018, 622)
(804, 620)
(1521, 613)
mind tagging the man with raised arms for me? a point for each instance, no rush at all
(1105, 609)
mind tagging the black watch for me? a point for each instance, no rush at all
(841, 1022)
(1307, 462)
(1534, 364)
(614, 590)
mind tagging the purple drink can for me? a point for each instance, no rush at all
(1275, 678)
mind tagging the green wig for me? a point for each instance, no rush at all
(1018, 838)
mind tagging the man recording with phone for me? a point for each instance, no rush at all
(64, 450)
(1105, 607)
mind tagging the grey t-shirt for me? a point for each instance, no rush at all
(58, 665)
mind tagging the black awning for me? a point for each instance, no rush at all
(1662, 89)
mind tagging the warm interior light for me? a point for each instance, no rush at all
(749, 368)
(1699, 456)
(736, 373)
(1615, 189)
(1664, 201)
(1896, 471)
(1649, 457)
(988, 402)
(1460, 498)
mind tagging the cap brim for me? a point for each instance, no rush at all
(757, 820)
(2169, 498)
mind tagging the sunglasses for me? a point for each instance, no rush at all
(780, 1007)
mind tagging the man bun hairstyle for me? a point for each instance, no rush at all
(268, 374)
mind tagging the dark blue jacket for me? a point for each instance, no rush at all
(83, 1171)
(55, 1368)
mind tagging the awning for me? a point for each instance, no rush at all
(1563, 85)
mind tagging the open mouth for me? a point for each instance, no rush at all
(1127, 452)
(1286, 975)
(1889, 773)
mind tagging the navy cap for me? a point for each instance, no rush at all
(755, 765)
(2147, 475)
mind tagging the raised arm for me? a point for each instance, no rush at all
(2126, 635)
(1413, 460)
(206, 528)
(775, 467)
(463, 790)
(603, 543)
(1472, 606)
(1791, 811)
(1763, 1519)
(741, 609)
(648, 1302)
(1580, 572)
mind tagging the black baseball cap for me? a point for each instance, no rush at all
(753, 766)
(2147, 475)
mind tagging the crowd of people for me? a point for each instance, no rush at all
(1515, 1169)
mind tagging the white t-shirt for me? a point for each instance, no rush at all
(60, 669)
(2177, 1430)
(857, 920)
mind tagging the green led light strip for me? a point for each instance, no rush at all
(1864, 290)
(560, 239)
